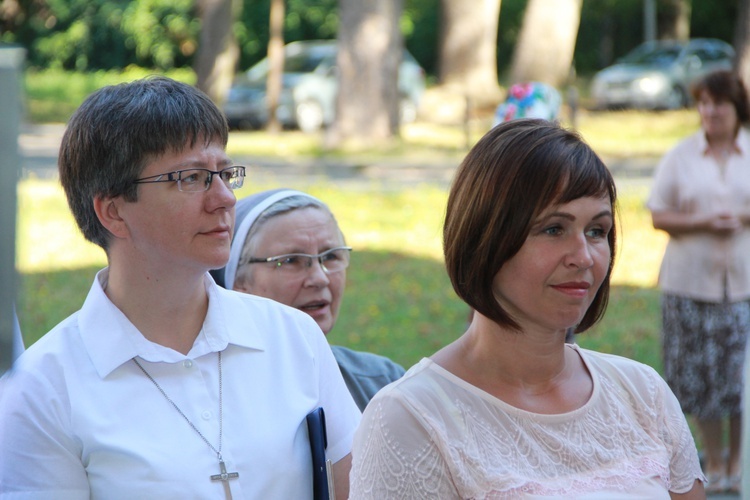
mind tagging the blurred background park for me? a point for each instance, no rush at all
(385, 178)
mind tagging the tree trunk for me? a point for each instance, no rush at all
(216, 60)
(468, 48)
(742, 41)
(674, 20)
(275, 64)
(370, 48)
(544, 50)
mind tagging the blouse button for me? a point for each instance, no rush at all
(206, 415)
(187, 363)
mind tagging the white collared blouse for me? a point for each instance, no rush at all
(79, 419)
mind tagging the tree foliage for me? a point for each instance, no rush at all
(104, 34)
(162, 34)
(304, 20)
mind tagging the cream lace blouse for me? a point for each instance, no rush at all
(433, 435)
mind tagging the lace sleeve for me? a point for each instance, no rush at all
(394, 455)
(684, 466)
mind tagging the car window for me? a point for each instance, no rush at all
(658, 55)
(302, 63)
(712, 54)
(258, 72)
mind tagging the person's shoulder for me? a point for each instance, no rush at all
(422, 385)
(361, 358)
(615, 364)
(53, 355)
(361, 362)
(743, 139)
(58, 339)
(628, 378)
(691, 146)
(427, 393)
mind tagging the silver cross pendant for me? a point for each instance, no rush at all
(224, 475)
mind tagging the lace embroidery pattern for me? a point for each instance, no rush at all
(573, 458)
(434, 440)
(387, 468)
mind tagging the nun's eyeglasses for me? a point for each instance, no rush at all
(331, 261)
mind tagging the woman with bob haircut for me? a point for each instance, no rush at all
(509, 410)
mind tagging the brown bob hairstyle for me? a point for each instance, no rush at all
(517, 170)
(724, 86)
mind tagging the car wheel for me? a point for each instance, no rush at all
(675, 98)
(309, 116)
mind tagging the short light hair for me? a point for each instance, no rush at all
(517, 170)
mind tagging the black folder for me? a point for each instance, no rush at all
(322, 481)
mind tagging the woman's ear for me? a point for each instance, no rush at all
(107, 210)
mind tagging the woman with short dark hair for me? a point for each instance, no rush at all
(509, 410)
(164, 385)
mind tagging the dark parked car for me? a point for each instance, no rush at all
(308, 96)
(658, 74)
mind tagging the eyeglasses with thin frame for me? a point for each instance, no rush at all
(194, 180)
(331, 261)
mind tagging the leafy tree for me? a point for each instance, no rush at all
(104, 34)
(714, 19)
(304, 20)
(609, 29)
(163, 33)
(420, 25)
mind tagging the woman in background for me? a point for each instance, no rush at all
(701, 198)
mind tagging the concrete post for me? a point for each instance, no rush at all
(11, 62)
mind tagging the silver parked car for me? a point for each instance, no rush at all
(308, 95)
(658, 74)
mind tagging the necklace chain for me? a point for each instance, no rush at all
(191, 424)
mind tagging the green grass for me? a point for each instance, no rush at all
(52, 94)
(398, 302)
(622, 134)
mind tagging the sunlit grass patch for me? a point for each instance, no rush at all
(636, 133)
(399, 300)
